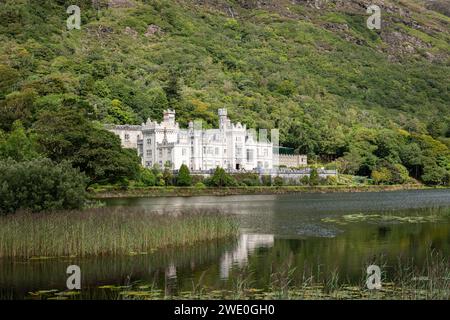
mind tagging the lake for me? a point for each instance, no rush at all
(311, 235)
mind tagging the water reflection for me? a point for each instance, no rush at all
(297, 203)
(275, 229)
(245, 247)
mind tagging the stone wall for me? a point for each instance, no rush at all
(286, 174)
(293, 160)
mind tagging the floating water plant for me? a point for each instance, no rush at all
(389, 217)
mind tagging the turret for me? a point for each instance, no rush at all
(169, 116)
(223, 120)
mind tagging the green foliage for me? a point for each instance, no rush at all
(247, 179)
(434, 175)
(231, 24)
(156, 169)
(168, 177)
(278, 181)
(221, 179)
(331, 180)
(304, 180)
(412, 157)
(388, 173)
(120, 114)
(197, 178)
(147, 177)
(159, 175)
(314, 177)
(17, 106)
(401, 174)
(266, 180)
(200, 185)
(18, 145)
(371, 149)
(157, 99)
(286, 87)
(184, 178)
(9, 78)
(40, 185)
(335, 93)
(68, 135)
(381, 176)
(160, 182)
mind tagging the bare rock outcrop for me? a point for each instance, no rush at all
(153, 30)
(131, 32)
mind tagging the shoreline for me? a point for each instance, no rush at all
(229, 191)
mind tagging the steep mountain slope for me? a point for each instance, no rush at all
(311, 68)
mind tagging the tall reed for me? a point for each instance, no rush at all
(107, 231)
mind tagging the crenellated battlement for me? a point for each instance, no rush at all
(292, 160)
(231, 146)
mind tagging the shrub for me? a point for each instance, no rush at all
(388, 173)
(248, 179)
(331, 166)
(401, 174)
(160, 180)
(314, 177)
(266, 180)
(221, 179)
(433, 175)
(156, 169)
(200, 185)
(184, 178)
(304, 181)
(167, 177)
(331, 180)
(197, 178)
(231, 24)
(123, 183)
(40, 185)
(381, 175)
(147, 177)
(278, 181)
(447, 179)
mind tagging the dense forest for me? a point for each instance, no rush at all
(374, 103)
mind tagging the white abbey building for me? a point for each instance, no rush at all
(231, 146)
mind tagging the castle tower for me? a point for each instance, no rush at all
(223, 118)
(169, 116)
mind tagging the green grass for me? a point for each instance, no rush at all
(106, 231)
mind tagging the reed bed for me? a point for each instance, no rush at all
(409, 282)
(107, 231)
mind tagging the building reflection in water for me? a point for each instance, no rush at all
(171, 285)
(247, 244)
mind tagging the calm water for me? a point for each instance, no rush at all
(317, 234)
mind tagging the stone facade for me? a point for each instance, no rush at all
(231, 146)
(293, 160)
(129, 135)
